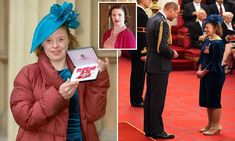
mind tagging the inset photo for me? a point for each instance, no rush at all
(117, 26)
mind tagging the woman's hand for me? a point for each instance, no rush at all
(202, 37)
(68, 88)
(102, 64)
(198, 73)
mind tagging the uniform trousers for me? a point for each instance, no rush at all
(154, 103)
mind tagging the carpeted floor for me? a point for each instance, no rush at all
(128, 132)
(182, 115)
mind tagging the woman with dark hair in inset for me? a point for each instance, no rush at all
(119, 36)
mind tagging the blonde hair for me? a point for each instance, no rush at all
(73, 43)
(228, 14)
(201, 11)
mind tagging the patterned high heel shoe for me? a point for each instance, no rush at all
(213, 131)
(205, 129)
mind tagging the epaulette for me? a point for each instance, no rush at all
(159, 36)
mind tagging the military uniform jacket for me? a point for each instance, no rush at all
(159, 56)
(142, 19)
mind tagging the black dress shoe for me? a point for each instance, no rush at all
(164, 135)
(147, 135)
(141, 104)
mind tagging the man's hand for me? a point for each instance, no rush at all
(201, 73)
(195, 13)
(143, 58)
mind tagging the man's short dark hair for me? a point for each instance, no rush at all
(170, 5)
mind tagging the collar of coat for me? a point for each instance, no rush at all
(49, 74)
(163, 15)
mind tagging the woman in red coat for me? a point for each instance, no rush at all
(119, 36)
(44, 102)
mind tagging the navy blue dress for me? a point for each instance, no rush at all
(211, 84)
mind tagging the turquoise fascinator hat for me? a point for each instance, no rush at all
(214, 19)
(59, 15)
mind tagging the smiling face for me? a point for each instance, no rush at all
(118, 17)
(209, 29)
(56, 45)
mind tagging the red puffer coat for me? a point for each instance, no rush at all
(42, 113)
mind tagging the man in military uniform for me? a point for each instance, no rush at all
(158, 67)
(137, 65)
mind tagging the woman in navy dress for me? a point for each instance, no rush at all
(211, 74)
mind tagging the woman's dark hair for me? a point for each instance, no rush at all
(124, 9)
(73, 43)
